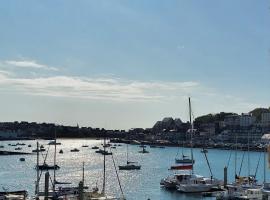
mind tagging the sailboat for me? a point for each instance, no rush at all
(244, 187)
(95, 194)
(197, 183)
(130, 165)
(184, 159)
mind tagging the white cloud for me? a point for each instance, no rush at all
(97, 88)
(29, 64)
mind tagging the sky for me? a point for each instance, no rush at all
(123, 64)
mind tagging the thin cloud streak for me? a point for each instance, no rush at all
(97, 88)
(29, 64)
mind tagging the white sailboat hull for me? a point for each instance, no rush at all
(194, 188)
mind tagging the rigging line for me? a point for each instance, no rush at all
(258, 163)
(44, 161)
(240, 169)
(228, 163)
(208, 165)
(117, 176)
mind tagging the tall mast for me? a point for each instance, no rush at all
(37, 168)
(235, 157)
(248, 156)
(104, 165)
(127, 154)
(83, 174)
(264, 165)
(54, 161)
(191, 135)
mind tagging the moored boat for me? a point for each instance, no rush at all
(47, 167)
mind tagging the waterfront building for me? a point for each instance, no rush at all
(265, 119)
(232, 120)
(246, 120)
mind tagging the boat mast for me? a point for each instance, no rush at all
(37, 168)
(127, 154)
(248, 157)
(191, 136)
(264, 165)
(104, 164)
(54, 161)
(83, 174)
(235, 158)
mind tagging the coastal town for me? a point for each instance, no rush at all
(213, 130)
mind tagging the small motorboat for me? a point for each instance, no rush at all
(54, 143)
(18, 148)
(40, 150)
(41, 146)
(104, 152)
(47, 167)
(85, 146)
(95, 147)
(61, 151)
(22, 159)
(1, 147)
(106, 145)
(74, 150)
(129, 166)
(20, 144)
(29, 145)
(143, 150)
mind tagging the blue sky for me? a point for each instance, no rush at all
(123, 64)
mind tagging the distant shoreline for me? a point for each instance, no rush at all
(225, 146)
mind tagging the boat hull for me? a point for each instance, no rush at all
(129, 167)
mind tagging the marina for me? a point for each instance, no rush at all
(137, 184)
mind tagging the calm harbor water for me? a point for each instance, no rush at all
(142, 184)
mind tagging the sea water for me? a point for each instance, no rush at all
(137, 184)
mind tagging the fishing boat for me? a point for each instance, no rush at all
(130, 165)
